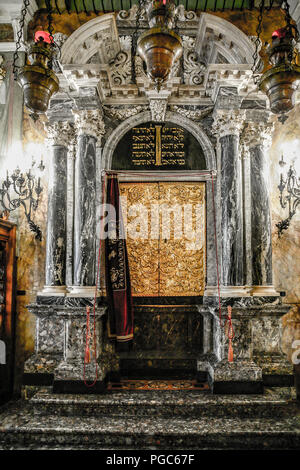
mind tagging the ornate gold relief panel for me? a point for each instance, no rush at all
(165, 238)
(182, 251)
(142, 250)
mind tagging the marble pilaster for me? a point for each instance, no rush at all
(90, 128)
(256, 139)
(227, 127)
(59, 134)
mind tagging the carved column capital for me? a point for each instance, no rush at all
(59, 133)
(90, 122)
(228, 122)
(257, 134)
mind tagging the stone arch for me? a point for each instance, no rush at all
(190, 126)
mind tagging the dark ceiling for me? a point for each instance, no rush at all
(60, 6)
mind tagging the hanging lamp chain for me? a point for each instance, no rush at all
(289, 25)
(50, 30)
(176, 30)
(257, 42)
(19, 38)
(134, 39)
(291, 29)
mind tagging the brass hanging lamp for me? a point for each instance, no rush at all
(281, 81)
(160, 47)
(38, 80)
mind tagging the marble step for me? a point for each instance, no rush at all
(166, 404)
(20, 429)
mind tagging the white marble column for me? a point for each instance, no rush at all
(71, 156)
(59, 135)
(89, 126)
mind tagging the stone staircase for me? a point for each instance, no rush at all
(166, 420)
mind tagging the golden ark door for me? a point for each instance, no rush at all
(165, 225)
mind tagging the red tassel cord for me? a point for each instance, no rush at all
(87, 357)
(229, 333)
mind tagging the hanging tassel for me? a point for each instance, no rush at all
(87, 357)
(230, 351)
(230, 334)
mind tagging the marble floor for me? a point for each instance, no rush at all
(152, 420)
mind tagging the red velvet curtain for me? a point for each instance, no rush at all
(118, 288)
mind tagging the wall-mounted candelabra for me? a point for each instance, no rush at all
(23, 190)
(289, 195)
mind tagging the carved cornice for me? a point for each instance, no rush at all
(59, 133)
(90, 122)
(228, 122)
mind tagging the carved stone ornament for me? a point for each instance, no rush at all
(193, 68)
(120, 113)
(90, 122)
(2, 71)
(193, 114)
(60, 38)
(158, 108)
(130, 15)
(228, 122)
(184, 15)
(59, 133)
(121, 65)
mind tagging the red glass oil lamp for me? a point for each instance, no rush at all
(281, 81)
(37, 79)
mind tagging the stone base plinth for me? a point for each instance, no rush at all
(60, 345)
(227, 291)
(239, 377)
(256, 345)
(70, 377)
(82, 291)
(264, 291)
(39, 369)
(276, 370)
(59, 291)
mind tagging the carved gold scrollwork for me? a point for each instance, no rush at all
(143, 251)
(168, 258)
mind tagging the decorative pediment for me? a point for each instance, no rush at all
(98, 55)
(217, 36)
(99, 35)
